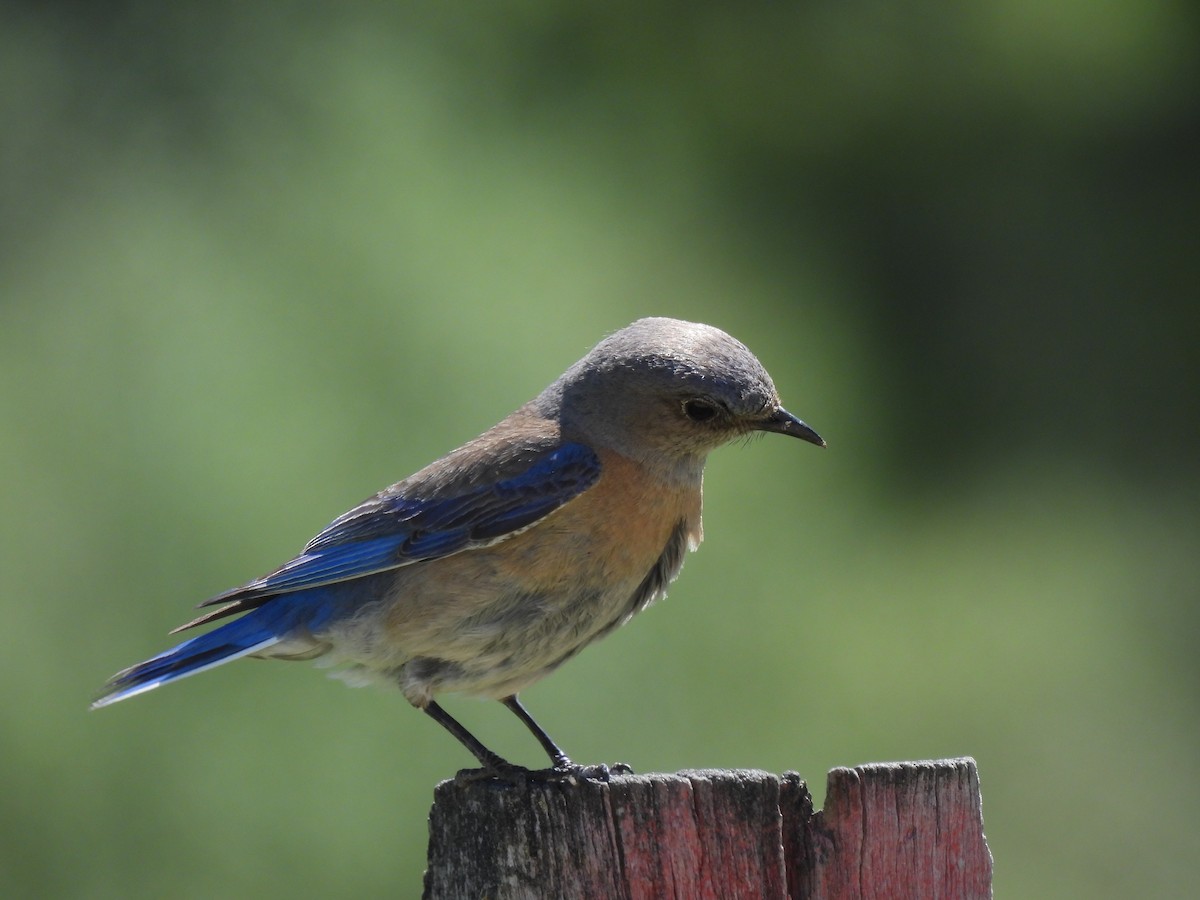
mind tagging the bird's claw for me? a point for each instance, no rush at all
(569, 771)
(563, 771)
(507, 772)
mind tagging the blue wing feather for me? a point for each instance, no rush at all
(392, 530)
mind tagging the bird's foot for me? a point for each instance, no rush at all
(565, 770)
(503, 771)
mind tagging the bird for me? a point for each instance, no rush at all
(492, 566)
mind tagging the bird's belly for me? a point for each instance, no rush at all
(518, 640)
(493, 634)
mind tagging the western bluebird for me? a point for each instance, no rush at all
(491, 567)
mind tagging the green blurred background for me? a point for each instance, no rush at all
(259, 260)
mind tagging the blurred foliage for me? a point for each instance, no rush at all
(258, 261)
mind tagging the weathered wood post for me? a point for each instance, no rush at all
(889, 830)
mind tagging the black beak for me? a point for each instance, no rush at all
(783, 422)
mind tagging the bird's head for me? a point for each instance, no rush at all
(666, 392)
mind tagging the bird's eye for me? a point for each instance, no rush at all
(699, 410)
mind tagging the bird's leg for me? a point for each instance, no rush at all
(562, 763)
(493, 762)
(557, 757)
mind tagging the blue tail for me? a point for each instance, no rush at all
(252, 633)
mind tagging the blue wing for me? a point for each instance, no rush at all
(398, 527)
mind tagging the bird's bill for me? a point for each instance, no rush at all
(783, 422)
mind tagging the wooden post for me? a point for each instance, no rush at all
(889, 830)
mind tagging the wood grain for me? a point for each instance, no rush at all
(890, 830)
